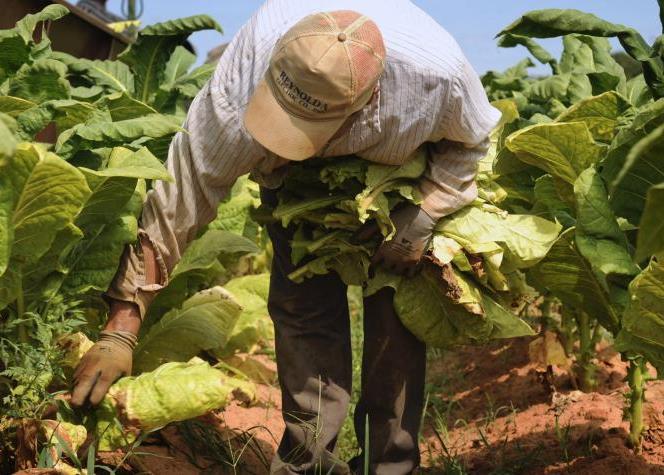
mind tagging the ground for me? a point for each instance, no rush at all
(489, 411)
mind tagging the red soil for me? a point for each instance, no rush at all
(490, 407)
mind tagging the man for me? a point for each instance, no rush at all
(308, 78)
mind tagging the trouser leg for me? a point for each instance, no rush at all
(393, 366)
(312, 342)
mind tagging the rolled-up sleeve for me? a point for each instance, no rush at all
(459, 142)
(206, 159)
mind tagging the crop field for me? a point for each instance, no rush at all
(542, 302)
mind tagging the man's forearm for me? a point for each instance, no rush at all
(126, 316)
(449, 182)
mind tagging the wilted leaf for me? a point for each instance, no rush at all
(173, 392)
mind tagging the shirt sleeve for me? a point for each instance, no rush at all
(205, 160)
(458, 144)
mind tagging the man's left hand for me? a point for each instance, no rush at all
(403, 253)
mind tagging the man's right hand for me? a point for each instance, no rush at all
(110, 358)
(107, 361)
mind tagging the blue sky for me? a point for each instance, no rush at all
(473, 23)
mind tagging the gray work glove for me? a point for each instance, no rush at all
(403, 253)
(108, 360)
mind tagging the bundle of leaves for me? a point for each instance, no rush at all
(471, 281)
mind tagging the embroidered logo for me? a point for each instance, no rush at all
(298, 96)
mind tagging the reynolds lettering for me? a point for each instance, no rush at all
(298, 96)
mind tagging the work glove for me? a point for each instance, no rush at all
(108, 360)
(402, 254)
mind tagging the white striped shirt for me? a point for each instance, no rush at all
(428, 93)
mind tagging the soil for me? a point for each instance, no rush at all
(490, 411)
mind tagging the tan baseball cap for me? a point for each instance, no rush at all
(323, 70)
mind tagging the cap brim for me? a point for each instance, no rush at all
(285, 135)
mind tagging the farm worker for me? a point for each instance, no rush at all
(307, 78)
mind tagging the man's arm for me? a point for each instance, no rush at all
(459, 141)
(205, 162)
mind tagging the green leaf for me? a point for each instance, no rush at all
(111, 75)
(94, 260)
(587, 55)
(46, 194)
(14, 53)
(553, 22)
(199, 268)
(566, 274)
(40, 81)
(204, 251)
(600, 113)
(26, 26)
(650, 240)
(149, 55)
(139, 164)
(542, 55)
(549, 88)
(108, 134)
(379, 175)
(646, 120)
(65, 113)
(598, 235)
(637, 92)
(189, 84)
(233, 212)
(109, 217)
(643, 168)
(204, 322)
(43, 279)
(41, 194)
(254, 327)
(286, 211)
(562, 149)
(547, 199)
(13, 106)
(528, 238)
(7, 141)
(123, 107)
(643, 321)
(177, 66)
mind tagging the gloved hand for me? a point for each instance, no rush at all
(402, 253)
(108, 360)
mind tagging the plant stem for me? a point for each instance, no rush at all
(586, 353)
(636, 379)
(23, 336)
(567, 325)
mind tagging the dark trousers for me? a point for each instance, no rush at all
(312, 338)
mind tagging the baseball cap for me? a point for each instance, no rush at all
(323, 70)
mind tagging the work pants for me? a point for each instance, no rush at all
(313, 349)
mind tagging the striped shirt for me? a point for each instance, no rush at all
(428, 93)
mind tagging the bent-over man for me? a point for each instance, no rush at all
(316, 78)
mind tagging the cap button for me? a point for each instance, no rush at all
(342, 37)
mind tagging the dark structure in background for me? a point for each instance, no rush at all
(98, 8)
(83, 33)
